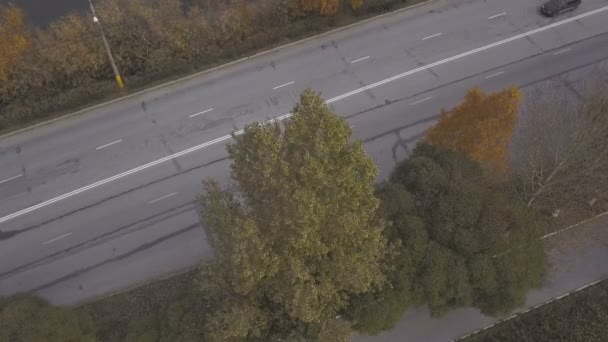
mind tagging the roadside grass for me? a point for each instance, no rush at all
(118, 316)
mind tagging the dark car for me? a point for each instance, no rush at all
(552, 8)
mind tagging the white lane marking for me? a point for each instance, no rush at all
(162, 198)
(57, 238)
(497, 15)
(420, 101)
(199, 113)
(359, 59)
(10, 179)
(432, 36)
(561, 51)
(465, 54)
(496, 74)
(110, 144)
(283, 117)
(283, 85)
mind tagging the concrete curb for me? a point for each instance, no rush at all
(551, 300)
(201, 73)
(531, 309)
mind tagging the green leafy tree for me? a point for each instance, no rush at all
(481, 245)
(463, 240)
(299, 237)
(372, 313)
(30, 319)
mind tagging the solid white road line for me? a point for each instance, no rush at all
(57, 238)
(359, 59)
(494, 75)
(199, 113)
(465, 54)
(432, 36)
(497, 16)
(283, 117)
(10, 179)
(110, 144)
(420, 101)
(561, 51)
(283, 85)
(162, 198)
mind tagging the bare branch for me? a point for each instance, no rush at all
(561, 149)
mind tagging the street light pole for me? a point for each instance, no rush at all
(105, 43)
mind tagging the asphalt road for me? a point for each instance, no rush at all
(96, 203)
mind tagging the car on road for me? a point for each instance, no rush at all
(553, 8)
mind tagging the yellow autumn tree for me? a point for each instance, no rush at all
(14, 38)
(480, 127)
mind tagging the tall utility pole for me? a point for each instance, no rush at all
(105, 43)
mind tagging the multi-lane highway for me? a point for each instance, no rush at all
(103, 201)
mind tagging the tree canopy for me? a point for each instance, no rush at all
(30, 319)
(464, 241)
(299, 236)
(477, 244)
(480, 127)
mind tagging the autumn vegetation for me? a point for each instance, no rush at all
(46, 71)
(480, 127)
(308, 247)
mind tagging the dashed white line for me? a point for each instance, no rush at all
(497, 15)
(283, 85)
(200, 113)
(10, 179)
(496, 74)
(162, 198)
(423, 100)
(334, 99)
(359, 59)
(57, 238)
(432, 36)
(561, 51)
(110, 144)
